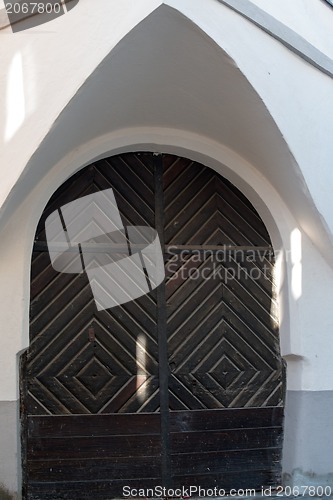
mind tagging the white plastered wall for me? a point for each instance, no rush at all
(310, 19)
(16, 254)
(297, 318)
(66, 126)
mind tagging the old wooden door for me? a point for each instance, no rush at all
(181, 387)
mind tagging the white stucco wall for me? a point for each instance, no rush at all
(205, 83)
(289, 168)
(312, 19)
(27, 59)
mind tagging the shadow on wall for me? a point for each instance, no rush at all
(5, 494)
(22, 16)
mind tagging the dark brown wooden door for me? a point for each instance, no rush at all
(181, 387)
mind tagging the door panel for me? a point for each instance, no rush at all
(223, 342)
(87, 456)
(222, 338)
(241, 447)
(182, 386)
(82, 360)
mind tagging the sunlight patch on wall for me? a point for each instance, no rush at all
(15, 98)
(296, 262)
(278, 283)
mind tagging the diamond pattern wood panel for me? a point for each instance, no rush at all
(222, 334)
(123, 395)
(82, 360)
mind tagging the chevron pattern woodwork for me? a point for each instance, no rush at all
(222, 336)
(81, 360)
(124, 395)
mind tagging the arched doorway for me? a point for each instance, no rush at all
(181, 387)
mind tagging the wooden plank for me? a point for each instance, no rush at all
(97, 469)
(124, 402)
(235, 199)
(42, 274)
(186, 210)
(93, 425)
(86, 490)
(255, 479)
(94, 447)
(100, 490)
(132, 180)
(226, 418)
(243, 295)
(242, 387)
(178, 173)
(243, 224)
(232, 439)
(59, 324)
(48, 284)
(241, 461)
